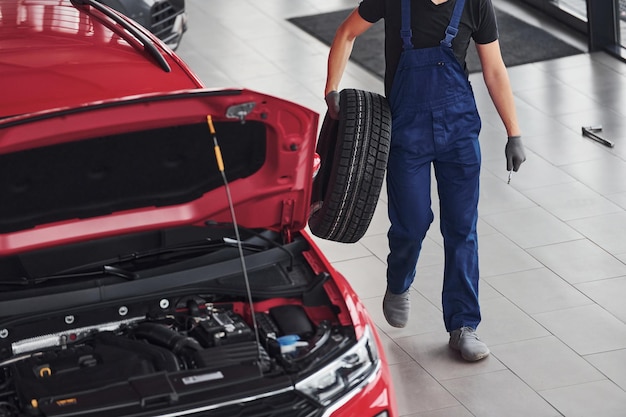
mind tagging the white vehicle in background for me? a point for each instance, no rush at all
(167, 19)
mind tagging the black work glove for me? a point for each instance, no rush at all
(514, 151)
(332, 101)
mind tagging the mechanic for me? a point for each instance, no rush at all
(434, 122)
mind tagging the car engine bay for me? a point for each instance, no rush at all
(175, 348)
(200, 343)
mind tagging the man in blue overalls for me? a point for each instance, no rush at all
(435, 124)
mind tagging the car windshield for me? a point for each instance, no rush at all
(126, 257)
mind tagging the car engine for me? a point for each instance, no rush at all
(171, 351)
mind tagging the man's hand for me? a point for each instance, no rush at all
(332, 101)
(514, 151)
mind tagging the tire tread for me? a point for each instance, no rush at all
(358, 172)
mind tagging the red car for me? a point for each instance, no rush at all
(153, 253)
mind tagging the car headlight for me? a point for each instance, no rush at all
(343, 374)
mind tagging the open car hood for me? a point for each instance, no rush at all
(149, 161)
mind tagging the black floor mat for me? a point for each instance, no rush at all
(520, 42)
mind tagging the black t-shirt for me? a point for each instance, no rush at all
(428, 23)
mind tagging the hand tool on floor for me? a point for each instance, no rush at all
(590, 132)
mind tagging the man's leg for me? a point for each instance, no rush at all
(457, 175)
(458, 185)
(408, 187)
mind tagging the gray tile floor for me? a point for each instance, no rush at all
(552, 242)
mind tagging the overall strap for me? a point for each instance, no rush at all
(451, 31)
(453, 27)
(405, 32)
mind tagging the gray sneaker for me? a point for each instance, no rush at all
(466, 341)
(396, 308)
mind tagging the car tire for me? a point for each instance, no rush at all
(354, 152)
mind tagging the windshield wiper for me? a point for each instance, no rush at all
(143, 39)
(119, 272)
(104, 270)
(110, 267)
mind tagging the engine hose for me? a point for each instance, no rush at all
(166, 337)
(163, 359)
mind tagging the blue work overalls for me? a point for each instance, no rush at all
(434, 121)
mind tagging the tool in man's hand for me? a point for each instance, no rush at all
(510, 175)
(590, 132)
